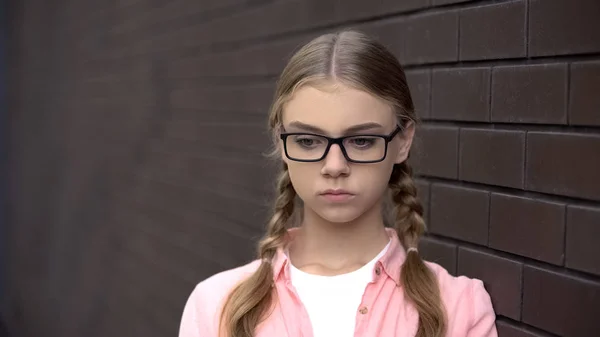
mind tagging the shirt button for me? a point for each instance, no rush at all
(363, 310)
(378, 271)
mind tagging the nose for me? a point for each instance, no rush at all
(335, 164)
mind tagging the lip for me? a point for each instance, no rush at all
(336, 195)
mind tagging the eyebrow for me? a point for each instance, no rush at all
(352, 129)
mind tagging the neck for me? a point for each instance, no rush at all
(326, 248)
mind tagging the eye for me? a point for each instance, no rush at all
(305, 142)
(308, 142)
(362, 142)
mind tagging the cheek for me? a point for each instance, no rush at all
(374, 180)
(303, 177)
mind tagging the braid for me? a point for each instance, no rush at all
(284, 208)
(248, 303)
(420, 284)
(409, 211)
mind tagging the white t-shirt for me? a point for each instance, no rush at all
(332, 301)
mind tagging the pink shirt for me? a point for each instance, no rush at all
(384, 311)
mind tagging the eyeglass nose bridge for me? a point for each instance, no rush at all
(339, 142)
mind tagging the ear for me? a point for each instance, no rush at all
(405, 139)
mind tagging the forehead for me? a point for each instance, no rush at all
(335, 108)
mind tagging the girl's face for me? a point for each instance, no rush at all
(335, 189)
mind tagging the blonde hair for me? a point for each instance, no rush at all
(356, 60)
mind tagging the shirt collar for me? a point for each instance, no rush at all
(391, 261)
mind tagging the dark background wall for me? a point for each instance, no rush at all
(137, 130)
(3, 159)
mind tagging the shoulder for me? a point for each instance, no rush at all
(454, 287)
(202, 310)
(218, 286)
(468, 304)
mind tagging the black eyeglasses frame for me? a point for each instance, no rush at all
(339, 141)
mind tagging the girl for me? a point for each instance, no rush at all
(343, 122)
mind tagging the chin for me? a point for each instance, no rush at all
(339, 215)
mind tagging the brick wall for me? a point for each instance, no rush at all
(137, 136)
(3, 160)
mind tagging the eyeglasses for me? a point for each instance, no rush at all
(309, 147)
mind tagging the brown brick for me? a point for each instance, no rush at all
(248, 137)
(355, 9)
(156, 255)
(168, 11)
(446, 2)
(461, 94)
(190, 201)
(439, 252)
(561, 304)
(151, 290)
(501, 276)
(431, 38)
(530, 94)
(435, 152)
(492, 156)
(563, 27)
(275, 18)
(506, 329)
(564, 164)
(493, 32)
(266, 59)
(219, 98)
(251, 176)
(459, 212)
(255, 136)
(423, 191)
(181, 126)
(528, 227)
(584, 101)
(419, 82)
(162, 206)
(259, 21)
(388, 32)
(583, 231)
